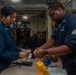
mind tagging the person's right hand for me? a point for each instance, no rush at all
(23, 54)
(39, 52)
(35, 51)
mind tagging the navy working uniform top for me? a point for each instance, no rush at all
(8, 49)
(66, 35)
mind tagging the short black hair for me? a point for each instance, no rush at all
(7, 10)
(55, 5)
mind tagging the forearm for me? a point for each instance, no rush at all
(60, 50)
(48, 44)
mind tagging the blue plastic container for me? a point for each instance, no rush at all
(47, 61)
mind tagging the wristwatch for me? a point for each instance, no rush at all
(45, 52)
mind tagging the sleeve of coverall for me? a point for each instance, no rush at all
(5, 54)
(18, 49)
(70, 39)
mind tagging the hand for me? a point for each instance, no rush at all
(24, 50)
(23, 54)
(35, 51)
(39, 53)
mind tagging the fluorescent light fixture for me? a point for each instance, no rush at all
(25, 17)
(15, 0)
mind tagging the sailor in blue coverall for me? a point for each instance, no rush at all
(64, 37)
(8, 49)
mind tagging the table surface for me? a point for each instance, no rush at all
(31, 70)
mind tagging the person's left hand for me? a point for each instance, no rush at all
(25, 50)
(39, 53)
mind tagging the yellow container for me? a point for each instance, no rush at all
(42, 68)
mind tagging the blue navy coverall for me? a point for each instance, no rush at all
(8, 49)
(66, 35)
